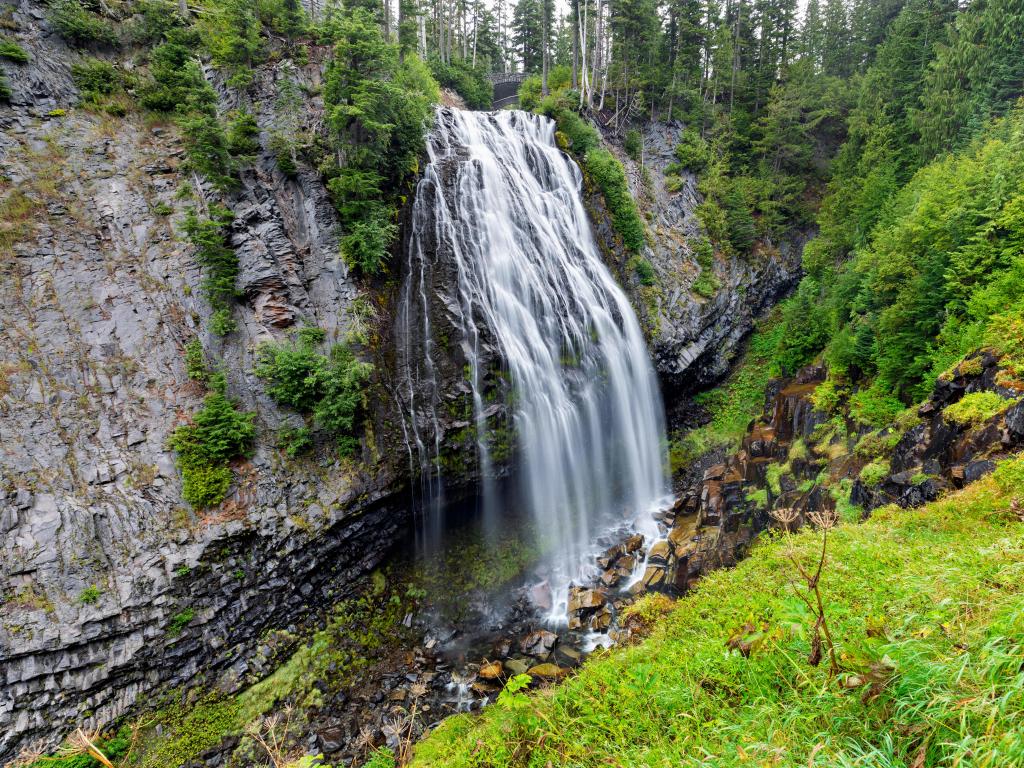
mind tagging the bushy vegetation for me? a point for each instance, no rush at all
(217, 433)
(209, 236)
(600, 166)
(923, 605)
(330, 387)
(733, 404)
(11, 51)
(79, 22)
(377, 108)
(471, 84)
(976, 407)
(95, 78)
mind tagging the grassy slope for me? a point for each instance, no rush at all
(929, 603)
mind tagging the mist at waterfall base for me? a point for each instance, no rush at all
(499, 208)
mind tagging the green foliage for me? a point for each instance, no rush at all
(195, 361)
(10, 50)
(692, 151)
(828, 396)
(874, 473)
(231, 33)
(218, 433)
(976, 408)
(209, 236)
(874, 406)
(179, 621)
(331, 387)
(95, 78)
(733, 404)
(606, 172)
(79, 25)
(382, 757)
(645, 271)
(471, 84)
(908, 690)
(633, 144)
(243, 134)
(295, 441)
(89, 595)
(378, 108)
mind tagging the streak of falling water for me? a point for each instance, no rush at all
(501, 206)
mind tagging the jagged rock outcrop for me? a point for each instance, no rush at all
(693, 339)
(939, 452)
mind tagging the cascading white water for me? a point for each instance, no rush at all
(502, 203)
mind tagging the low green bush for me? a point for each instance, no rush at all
(975, 408)
(79, 25)
(11, 51)
(218, 433)
(95, 78)
(179, 621)
(608, 176)
(874, 473)
(633, 144)
(209, 236)
(471, 84)
(330, 387)
(692, 151)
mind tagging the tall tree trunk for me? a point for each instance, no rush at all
(575, 43)
(544, 46)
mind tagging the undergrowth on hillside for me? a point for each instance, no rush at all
(732, 404)
(925, 606)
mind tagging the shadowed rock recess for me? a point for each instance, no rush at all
(114, 589)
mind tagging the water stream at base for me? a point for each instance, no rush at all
(500, 208)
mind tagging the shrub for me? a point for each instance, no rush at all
(208, 235)
(874, 406)
(874, 473)
(11, 51)
(80, 26)
(95, 78)
(645, 271)
(295, 441)
(634, 144)
(827, 396)
(195, 361)
(471, 84)
(89, 595)
(975, 408)
(328, 386)
(692, 152)
(243, 134)
(218, 433)
(607, 174)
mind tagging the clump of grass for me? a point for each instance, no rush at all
(874, 473)
(924, 606)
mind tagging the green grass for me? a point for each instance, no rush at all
(734, 403)
(927, 609)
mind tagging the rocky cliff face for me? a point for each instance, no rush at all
(694, 339)
(111, 586)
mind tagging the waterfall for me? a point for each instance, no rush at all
(501, 249)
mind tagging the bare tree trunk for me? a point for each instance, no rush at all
(544, 47)
(183, 8)
(582, 32)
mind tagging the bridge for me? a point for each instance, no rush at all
(506, 88)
